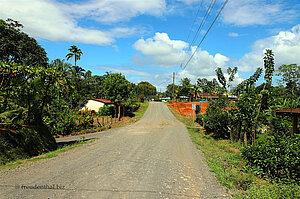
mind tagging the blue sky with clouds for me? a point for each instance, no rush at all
(147, 40)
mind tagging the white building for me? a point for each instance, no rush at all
(95, 104)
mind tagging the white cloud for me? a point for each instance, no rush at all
(285, 45)
(262, 12)
(58, 21)
(109, 11)
(233, 34)
(160, 50)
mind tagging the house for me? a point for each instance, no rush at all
(95, 104)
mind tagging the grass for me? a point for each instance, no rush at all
(225, 160)
(21, 162)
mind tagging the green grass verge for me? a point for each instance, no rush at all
(21, 162)
(225, 160)
(141, 111)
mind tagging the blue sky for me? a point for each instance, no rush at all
(147, 40)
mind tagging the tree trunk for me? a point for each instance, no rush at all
(253, 136)
(119, 114)
(245, 139)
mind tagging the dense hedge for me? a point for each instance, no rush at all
(215, 120)
(17, 142)
(277, 157)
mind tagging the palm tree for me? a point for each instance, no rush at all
(74, 51)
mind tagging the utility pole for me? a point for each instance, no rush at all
(173, 85)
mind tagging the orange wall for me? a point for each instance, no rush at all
(185, 108)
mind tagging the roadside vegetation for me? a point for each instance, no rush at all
(63, 148)
(250, 148)
(230, 168)
(41, 99)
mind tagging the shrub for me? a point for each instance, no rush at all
(216, 121)
(106, 110)
(63, 122)
(276, 157)
(85, 119)
(265, 189)
(130, 107)
(17, 142)
(200, 119)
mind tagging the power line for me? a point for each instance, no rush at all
(166, 80)
(187, 40)
(205, 35)
(208, 11)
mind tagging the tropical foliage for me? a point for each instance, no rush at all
(37, 94)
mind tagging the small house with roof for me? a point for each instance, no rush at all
(95, 104)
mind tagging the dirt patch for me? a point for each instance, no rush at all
(234, 150)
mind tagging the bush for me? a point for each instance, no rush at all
(216, 121)
(276, 157)
(200, 119)
(17, 142)
(106, 110)
(63, 122)
(85, 119)
(265, 189)
(130, 107)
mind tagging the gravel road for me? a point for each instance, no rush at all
(152, 158)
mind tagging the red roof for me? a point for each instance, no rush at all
(103, 100)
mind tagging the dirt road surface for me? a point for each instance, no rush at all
(153, 158)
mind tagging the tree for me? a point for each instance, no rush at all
(169, 90)
(269, 66)
(221, 77)
(74, 52)
(209, 86)
(116, 87)
(231, 72)
(290, 77)
(146, 89)
(16, 46)
(185, 87)
(248, 83)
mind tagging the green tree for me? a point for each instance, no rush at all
(221, 77)
(16, 46)
(231, 72)
(170, 88)
(74, 52)
(146, 89)
(185, 87)
(290, 77)
(209, 86)
(116, 87)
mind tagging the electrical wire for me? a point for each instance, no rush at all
(205, 35)
(208, 11)
(187, 40)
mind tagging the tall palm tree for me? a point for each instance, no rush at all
(74, 51)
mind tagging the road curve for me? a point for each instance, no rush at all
(153, 158)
